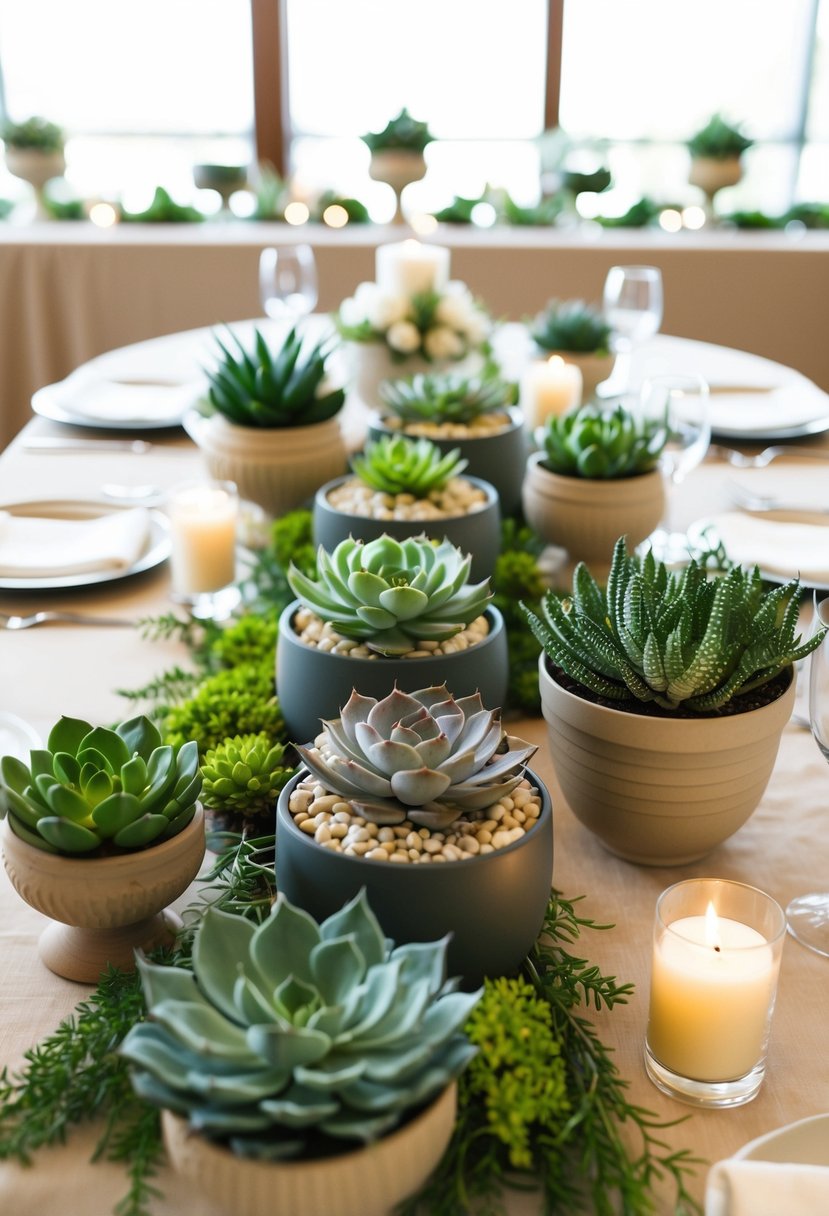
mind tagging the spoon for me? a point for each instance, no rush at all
(139, 493)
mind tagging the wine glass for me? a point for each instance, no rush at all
(288, 281)
(679, 403)
(633, 310)
(807, 916)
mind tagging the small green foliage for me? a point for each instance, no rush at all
(447, 397)
(592, 443)
(236, 701)
(543, 214)
(273, 388)
(459, 211)
(272, 193)
(638, 215)
(517, 578)
(36, 133)
(576, 182)
(163, 210)
(243, 775)
(573, 326)
(395, 464)
(356, 211)
(402, 133)
(249, 640)
(719, 140)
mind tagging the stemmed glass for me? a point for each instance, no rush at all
(288, 281)
(807, 916)
(680, 404)
(633, 310)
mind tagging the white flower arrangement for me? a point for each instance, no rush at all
(445, 325)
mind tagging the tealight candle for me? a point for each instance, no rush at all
(549, 387)
(203, 518)
(407, 268)
(716, 957)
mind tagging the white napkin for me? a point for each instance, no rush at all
(786, 549)
(32, 547)
(128, 400)
(766, 1188)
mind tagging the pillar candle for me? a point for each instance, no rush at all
(549, 387)
(203, 536)
(407, 268)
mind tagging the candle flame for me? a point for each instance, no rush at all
(712, 928)
(411, 245)
(555, 361)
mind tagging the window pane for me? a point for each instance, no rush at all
(818, 126)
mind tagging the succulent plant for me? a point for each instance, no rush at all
(572, 325)
(447, 397)
(678, 639)
(164, 209)
(243, 775)
(421, 756)
(36, 132)
(589, 442)
(395, 464)
(94, 790)
(289, 1029)
(393, 594)
(401, 134)
(719, 140)
(273, 389)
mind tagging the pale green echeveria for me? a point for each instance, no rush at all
(94, 790)
(393, 594)
(421, 756)
(289, 1029)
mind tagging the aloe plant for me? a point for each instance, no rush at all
(573, 326)
(289, 1029)
(678, 639)
(395, 464)
(719, 140)
(93, 790)
(589, 442)
(393, 594)
(447, 397)
(421, 756)
(400, 134)
(270, 389)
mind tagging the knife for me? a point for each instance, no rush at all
(54, 443)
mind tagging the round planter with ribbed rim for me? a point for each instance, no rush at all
(586, 516)
(660, 790)
(594, 368)
(478, 533)
(493, 904)
(313, 684)
(499, 457)
(104, 908)
(370, 1180)
(278, 468)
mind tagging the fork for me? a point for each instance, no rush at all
(740, 461)
(751, 501)
(44, 618)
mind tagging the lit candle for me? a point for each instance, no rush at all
(549, 387)
(407, 268)
(203, 519)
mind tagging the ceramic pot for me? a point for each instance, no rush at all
(367, 1181)
(371, 364)
(104, 908)
(37, 167)
(313, 684)
(279, 468)
(594, 369)
(499, 458)
(493, 905)
(586, 516)
(398, 168)
(660, 791)
(478, 533)
(711, 174)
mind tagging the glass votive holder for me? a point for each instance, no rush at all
(716, 957)
(203, 519)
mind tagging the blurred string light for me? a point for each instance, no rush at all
(103, 215)
(297, 213)
(693, 217)
(670, 220)
(335, 216)
(483, 215)
(423, 225)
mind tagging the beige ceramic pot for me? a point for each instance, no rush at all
(368, 1181)
(104, 908)
(660, 791)
(34, 165)
(594, 369)
(280, 468)
(398, 169)
(586, 516)
(711, 174)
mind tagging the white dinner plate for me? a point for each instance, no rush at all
(803, 1143)
(789, 410)
(122, 403)
(697, 541)
(156, 549)
(17, 738)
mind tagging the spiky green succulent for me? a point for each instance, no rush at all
(273, 388)
(591, 442)
(679, 639)
(395, 464)
(290, 1029)
(243, 775)
(401, 133)
(573, 326)
(719, 140)
(95, 790)
(446, 397)
(421, 756)
(393, 594)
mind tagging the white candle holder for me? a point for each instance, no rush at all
(716, 958)
(203, 524)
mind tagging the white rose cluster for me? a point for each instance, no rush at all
(459, 324)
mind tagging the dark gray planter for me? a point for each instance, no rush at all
(499, 459)
(492, 905)
(478, 534)
(313, 684)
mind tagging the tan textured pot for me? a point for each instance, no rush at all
(712, 174)
(280, 468)
(369, 1181)
(398, 168)
(34, 165)
(586, 516)
(660, 791)
(594, 369)
(103, 908)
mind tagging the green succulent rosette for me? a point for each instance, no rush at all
(446, 397)
(593, 443)
(395, 464)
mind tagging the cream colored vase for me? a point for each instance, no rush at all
(369, 1181)
(712, 174)
(660, 791)
(586, 516)
(104, 908)
(279, 469)
(398, 169)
